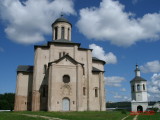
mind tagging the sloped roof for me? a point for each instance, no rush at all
(137, 78)
(96, 70)
(96, 59)
(25, 68)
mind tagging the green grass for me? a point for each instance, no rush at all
(13, 116)
(156, 116)
(84, 115)
(114, 115)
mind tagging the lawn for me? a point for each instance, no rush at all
(114, 115)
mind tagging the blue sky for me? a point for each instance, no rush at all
(122, 32)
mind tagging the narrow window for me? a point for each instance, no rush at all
(133, 88)
(56, 32)
(45, 69)
(60, 55)
(68, 33)
(138, 87)
(143, 87)
(84, 91)
(62, 32)
(63, 53)
(96, 92)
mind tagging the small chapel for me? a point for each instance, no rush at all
(64, 77)
(139, 102)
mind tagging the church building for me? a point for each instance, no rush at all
(65, 77)
(138, 92)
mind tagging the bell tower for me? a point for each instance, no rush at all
(138, 92)
(61, 29)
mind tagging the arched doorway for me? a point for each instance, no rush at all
(139, 108)
(65, 104)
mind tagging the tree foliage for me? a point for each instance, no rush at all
(7, 101)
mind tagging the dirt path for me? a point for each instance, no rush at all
(40, 116)
(125, 117)
(135, 118)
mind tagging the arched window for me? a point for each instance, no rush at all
(143, 86)
(56, 32)
(66, 79)
(138, 87)
(133, 88)
(62, 32)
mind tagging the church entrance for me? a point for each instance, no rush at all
(139, 108)
(65, 104)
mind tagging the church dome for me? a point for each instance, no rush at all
(61, 19)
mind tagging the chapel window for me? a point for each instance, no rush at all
(133, 88)
(138, 87)
(56, 32)
(66, 79)
(62, 32)
(143, 87)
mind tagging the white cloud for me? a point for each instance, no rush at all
(122, 97)
(123, 89)
(154, 87)
(28, 22)
(114, 81)
(110, 22)
(1, 49)
(99, 52)
(152, 66)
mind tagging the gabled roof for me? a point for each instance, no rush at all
(68, 57)
(25, 68)
(96, 70)
(137, 78)
(96, 59)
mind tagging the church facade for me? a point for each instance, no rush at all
(65, 77)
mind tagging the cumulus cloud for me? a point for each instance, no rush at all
(114, 81)
(154, 87)
(28, 21)
(152, 66)
(110, 22)
(122, 97)
(99, 52)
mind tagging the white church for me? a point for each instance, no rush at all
(65, 77)
(138, 92)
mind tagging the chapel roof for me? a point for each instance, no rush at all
(137, 78)
(25, 68)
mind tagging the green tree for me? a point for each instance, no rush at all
(7, 101)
